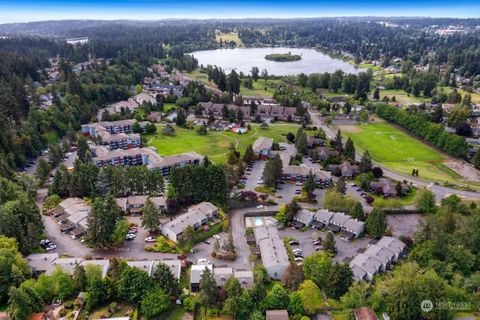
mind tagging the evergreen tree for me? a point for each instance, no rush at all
(301, 141)
(150, 216)
(83, 151)
(309, 184)
(426, 202)
(376, 94)
(365, 163)
(329, 244)
(102, 221)
(357, 212)
(338, 142)
(349, 151)
(103, 184)
(181, 119)
(79, 277)
(341, 279)
(249, 155)
(163, 276)
(376, 224)
(208, 290)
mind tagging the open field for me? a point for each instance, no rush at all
(402, 97)
(228, 37)
(475, 96)
(399, 151)
(258, 89)
(215, 144)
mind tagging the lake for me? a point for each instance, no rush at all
(243, 59)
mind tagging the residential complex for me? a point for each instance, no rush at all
(196, 216)
(377, 258)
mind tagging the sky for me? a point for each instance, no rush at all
(39, 10)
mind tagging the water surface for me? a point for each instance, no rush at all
(243, 59)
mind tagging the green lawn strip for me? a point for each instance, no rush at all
(103, 310)
(214, 144)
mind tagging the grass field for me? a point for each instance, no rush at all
(402, 97)
(215, 144)
(232, 36)
(399, 151)
(475, 96)
(258, 89)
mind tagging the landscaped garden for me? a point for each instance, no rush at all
(215, 144)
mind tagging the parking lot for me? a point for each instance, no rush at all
(345, 249)
(254, 175)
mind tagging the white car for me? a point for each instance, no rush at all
(297, 250)
(298, 259)
(261, 206)
(298, 184)
(150, 239)
(216, 236)
(202, 260)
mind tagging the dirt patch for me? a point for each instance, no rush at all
(350, 128)
(404, 224)
(466, 170)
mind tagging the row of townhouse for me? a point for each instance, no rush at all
(196, 216)
(157, 87)
(348, 227)
(49, 262)
(72, 216)
(115, 134)
(221, 276)
(272, 250)
(377, 258)
(72, 213)
(300, 173)
(264, 111)
(134, 204)
(147, 156)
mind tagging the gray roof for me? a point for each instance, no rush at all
(358, 273)
(354, 225)
(367, 263)
(392, 244)
(197, 271)
(304, 216)
(40, 262)
(380, 253)
(323, 215)
(339, 219)
(194, 215)
(221, 275)
(273, 252)
(262, 143)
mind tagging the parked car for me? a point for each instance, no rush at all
(150, 239)
(206, 242)
(261, 206)
(293, 243)
(298, 192)
(298, 184)
(317, 242)
(216, 236)
(297, 250)
(298, 259)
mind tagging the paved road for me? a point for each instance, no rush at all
(439, 191)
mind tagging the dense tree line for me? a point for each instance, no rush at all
(194, 184)
(87, 180)
(420, 125)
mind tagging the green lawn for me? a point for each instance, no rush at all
(403, 97)
(258, 89)
(399, 151)
(214, 144)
